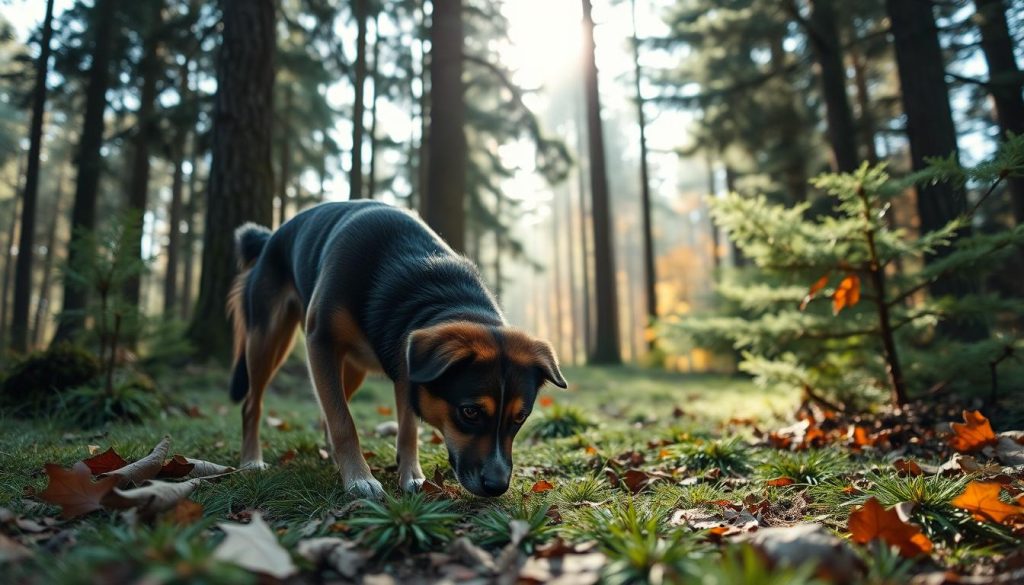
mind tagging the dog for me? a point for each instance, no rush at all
(376, 290)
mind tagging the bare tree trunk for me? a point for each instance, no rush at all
(9, 260)
(825, 41)
(90, 162)
(1004, 82)
(571, 269)
(43, 303)
(868, 128)
(23, 270)
(650, 275)
(146, 134)
(189, 243)
(584, 219)
(285, 159)
(443, 206)
(716, 239)
(371, 186)
(174, 225)
(931, 133)
(606, 348)
(556, 278)
(241, 183)
(355, 174)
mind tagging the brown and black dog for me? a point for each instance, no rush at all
(377, 291)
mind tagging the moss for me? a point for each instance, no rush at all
(35, 384)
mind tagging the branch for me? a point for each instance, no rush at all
(968, 80)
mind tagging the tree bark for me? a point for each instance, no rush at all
(650, 275)
(1004, 82)
(90, 163)
(716, 239)
(606, 348)
(443, 206)
(931, 133)
(26, 246)
(43, 302)
(241, 182)
(9, 260)
(191, 209)
(825, 41)
(147, 129)
(868, 128)
(285, 159)
(371, 180)
(174, 217)
(355, 174)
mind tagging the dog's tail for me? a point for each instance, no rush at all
(250, 239)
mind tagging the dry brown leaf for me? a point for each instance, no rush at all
(907, 467)
(847, 294)
(542, 486)
(176, 468)
(74, 490)
(11, 550)
(254, 547)
(287, 457)
(794, 546)
(1010, 448)
(982, 500)
(146, 468)
(202, 468)
(338, 554)
(816, 288)
(872, 521)
(546, 401)
(151, 498)
(780, 482)
(974, 434)
(384, 410)
(185, 513)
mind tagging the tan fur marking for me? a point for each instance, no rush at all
(514, 407)
(236, 310)
(352, 377)
(433, 410)
(349, 337)
(458, 340)
(489, 405)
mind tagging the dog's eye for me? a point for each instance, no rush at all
(470, 412)
(521, 418)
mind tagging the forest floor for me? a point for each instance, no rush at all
(630, 476)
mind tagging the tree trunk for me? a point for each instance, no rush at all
(174, 225)
(606, 348)
(371, 184)
(90, 163)
(650, 276)
(189, 243)
(146, 134)
(26, 246)
(585, 248)
(9, 260)
(738, 259)
(443, 206)
(867, 128)
(241, 183)
(355, 173)
(571, 270)
(931, 133)
(43, 303)
(1004, 82)
(285, 159)
(825, 41)
(716, 239)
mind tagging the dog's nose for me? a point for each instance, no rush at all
(494, 486)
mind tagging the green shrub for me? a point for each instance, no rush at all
(559, 421)
(36, 385)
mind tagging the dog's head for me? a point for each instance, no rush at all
(477, 384)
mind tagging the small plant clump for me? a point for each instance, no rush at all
(408, 523)
(495, 526)
(37, 385)
(558, 422)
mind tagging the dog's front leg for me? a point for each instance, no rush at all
(410, 476)
(325, 364)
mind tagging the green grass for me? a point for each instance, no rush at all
(669, 424)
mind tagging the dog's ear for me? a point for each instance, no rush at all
(548, 364)
(431, 351)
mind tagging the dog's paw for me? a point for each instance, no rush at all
(368, 488)
(411, 485)
(256, 464)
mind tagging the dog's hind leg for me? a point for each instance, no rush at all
(266, 348)
(326, 356)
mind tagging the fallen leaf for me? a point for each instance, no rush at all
(146, 468)
(816, 288)
(872, 521)
(973, 434)
(982, 500)
(279, 424)
(636, 480)
(93, 449)
(254, 547)
(202, 468)
(74, 490)
(542, 486)
(384, 410)
(907, 467)
(546, 401)
(335, 553)
(591, 450)
(151, 498)
(287, 457)
(185, 513)
(1010, 448)
(794, 546)
(847, 294)
(176, 468)
(11, 550)
(780, 482)
(105, 462)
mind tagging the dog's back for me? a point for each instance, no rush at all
(378, 264)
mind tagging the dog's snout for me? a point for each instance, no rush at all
(494, 485)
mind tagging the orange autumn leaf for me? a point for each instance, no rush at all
(384, 410)
(981, 499)
(972, 434)
(542, 486)
(780, 482)
(546, 401)
(74, 490)
(847, 294)
(872, 522)
(591, 450)
(814, 290)
(176, 467)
